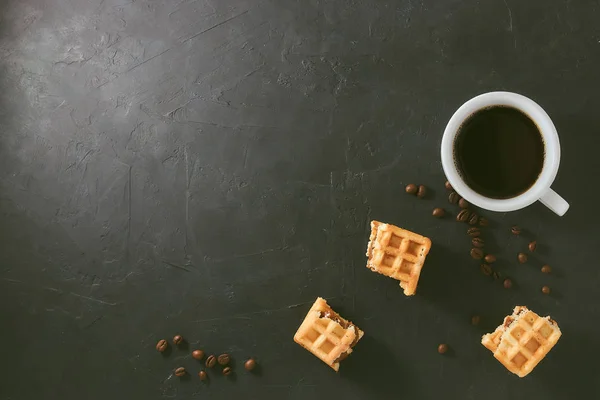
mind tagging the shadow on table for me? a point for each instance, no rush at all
(377, 371)
(568, 370)
(454, 283)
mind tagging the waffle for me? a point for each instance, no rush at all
(522, 341)
(327, 335)
(397, 253)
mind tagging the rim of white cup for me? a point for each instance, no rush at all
(551, 150)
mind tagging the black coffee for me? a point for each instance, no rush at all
(499, 152)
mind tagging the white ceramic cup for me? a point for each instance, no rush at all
(540, 190)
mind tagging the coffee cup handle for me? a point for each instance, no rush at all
(553, 201)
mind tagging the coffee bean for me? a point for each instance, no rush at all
(522, 257)
(478, 242)
(203, 375)
(483, 221)
(532, 246)
(223, 359)
(211, 361)
(442, 348)
(250, 364)
(411, 188)
(545, 290)
(462, 203)
(473, 219)
(227, 371)
(198, 354)
(180, 371)
(515, 230)
(473, 232)
(477, 253)
(507, 283)
(463, 216)
(162, 345)
(485, 269)
(422, 191)
(438, 212)
(453, 198)
(177, 339)
(475, 319)
(448, 185)
(490, 258)
(495, 275)
(546, 269)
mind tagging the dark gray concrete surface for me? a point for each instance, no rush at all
(209, 168)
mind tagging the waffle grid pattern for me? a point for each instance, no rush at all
(397, 253)
(522, 341)
(326, 338)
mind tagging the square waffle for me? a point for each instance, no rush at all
(327, 335)
(522, 341)
(397, 253)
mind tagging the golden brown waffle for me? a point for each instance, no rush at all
(327, 335)
(522, 341)
(397, 253)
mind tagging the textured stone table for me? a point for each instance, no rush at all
(210, 167)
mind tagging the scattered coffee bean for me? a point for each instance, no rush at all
(250, 364)
(507, 283)
(532, 246)
(483, 221)
(211, 361)
(490, 258)
(462, 203)
(485, 269)
(411, 188)
(180, 371)
(495, 275)
(198, 354)
(522, 257)
(475, 319)
(473, 219)
(227, 371)
(177, 339)
(463, 216)
(515, 230)
(477, 253)
(545, 290)
(438, 212)
(422, 191)
(162, 345)
(546, 269)
(203, 375)
(442, 348)
(453, 198)
(223, 359)
(478, 242)
(473, 232)
(448, 185)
